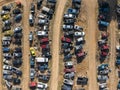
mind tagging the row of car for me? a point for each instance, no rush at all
(39, 64)
(103, 69)
(72, 33)
(12, 51)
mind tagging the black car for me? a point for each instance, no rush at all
(7, 23)
(6, 8)
(17, 35)
(16, 81)
(17, 42)
(16, 71)
(18, 49)
(5, 28)
(17, 63)
(32, 8)
(16, 11)
(39, 3)
(69, 21)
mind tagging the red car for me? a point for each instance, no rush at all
(104, 54)
(43, 46)
(32, 84)
(43, 40)
(67, 70)
(81, 54)
(65, 39)
(105, 47)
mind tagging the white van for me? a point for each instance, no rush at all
(41, 60)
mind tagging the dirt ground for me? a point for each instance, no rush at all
(91, 6)
(55, 43)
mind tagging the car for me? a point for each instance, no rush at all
(42, 86)
(66, 87)
(32, 51)
(69, 33)
(6, 28)
(79, 34)
(6, 49)
(7, 23)
(42, 34)
(18, 29)
(102, 78)
(16, 81)
(73, 11)
(68, 27)
(69, 21)
(5, 61)
(69, 16)
(81, 39)
(7, 56)
(65, 39)
(17, 63)
(8, 84)
(17, 55)
(78, 28)
(68, 64)
(5, 43)
(32, 73)
(7, 67)
(44, 77)
(31, 20)
(17, 42)
(39, 3)
(8, 33)
(18, 50)
(8, 77)
(18, 18)
(18, 35)
(67, 57)
(43, 40)
(69, 75)
(42, 22)
(82, 80)
(32, 85)
(7, 72)
(6, 8)
(68, 82)
(31, 36)
(6, 38)
(16, 71)
(32, 8)
(67, 70)
(16, 11)
(5, 17)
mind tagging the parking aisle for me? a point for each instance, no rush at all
(56, 43)
(92, 27)
(25, 80)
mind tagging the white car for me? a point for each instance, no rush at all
(68, 16)
(7, 67)
(68, 82)
(77, 27)
(79, 34)
(42, 33)
(6, 61)
(42, 86)
(67, 64)
(80, 39)
(6, 38)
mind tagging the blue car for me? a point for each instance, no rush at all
(6, 50)
(73, 11)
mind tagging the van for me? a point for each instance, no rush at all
(41, 60)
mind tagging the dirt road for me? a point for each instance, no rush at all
(113, 78)
(25, 66)
(55, 43)
(91, 6)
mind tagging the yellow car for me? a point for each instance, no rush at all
(8, 33)
(32, 51)
(5, 17)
